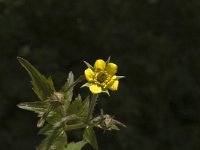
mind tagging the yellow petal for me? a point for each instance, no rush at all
(95, 89)
(114, 86)
(111, 81)
(100, 65)
(111, 68)
(89, 74)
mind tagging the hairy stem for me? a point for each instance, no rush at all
(74, 126)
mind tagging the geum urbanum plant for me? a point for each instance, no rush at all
(58, 113)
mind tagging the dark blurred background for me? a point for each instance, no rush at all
(156, 44)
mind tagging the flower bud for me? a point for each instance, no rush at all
(107, 122)
(57, 99)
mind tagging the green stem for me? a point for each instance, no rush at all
(74, 126)
(92, 105)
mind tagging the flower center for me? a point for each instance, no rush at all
(101, 77)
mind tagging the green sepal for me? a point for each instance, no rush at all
(108, 60)
(42, 86)
(87, 84)
(107, 92)
(120, 77)
(114, 127)
(88, 65)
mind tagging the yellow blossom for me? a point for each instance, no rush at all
(102, 76)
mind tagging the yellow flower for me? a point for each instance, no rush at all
(102, 76)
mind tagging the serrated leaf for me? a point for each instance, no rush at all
(75, 105)
(79, 107)
(76, 146)
(57, 140)
(90, 137)
(85, 107)
(38, 106)
(51, 115)
(42, 86)
(69, 82)
(65, 88)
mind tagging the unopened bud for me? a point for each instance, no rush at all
(107, 122)
(57, 99)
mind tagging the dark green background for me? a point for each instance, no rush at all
(156, 44)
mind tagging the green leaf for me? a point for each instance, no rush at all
(67, 89)
(85, 107)
(46, 130)
(79, 107)
(38, 106)
(75, 106)
(42, 86)
(43, 118)
(55, 115)
(70, 81)
(90, 137)
(56, 140)
(76, 146)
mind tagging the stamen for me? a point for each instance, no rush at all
(101, 77)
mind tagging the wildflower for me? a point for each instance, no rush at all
(102, 76)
